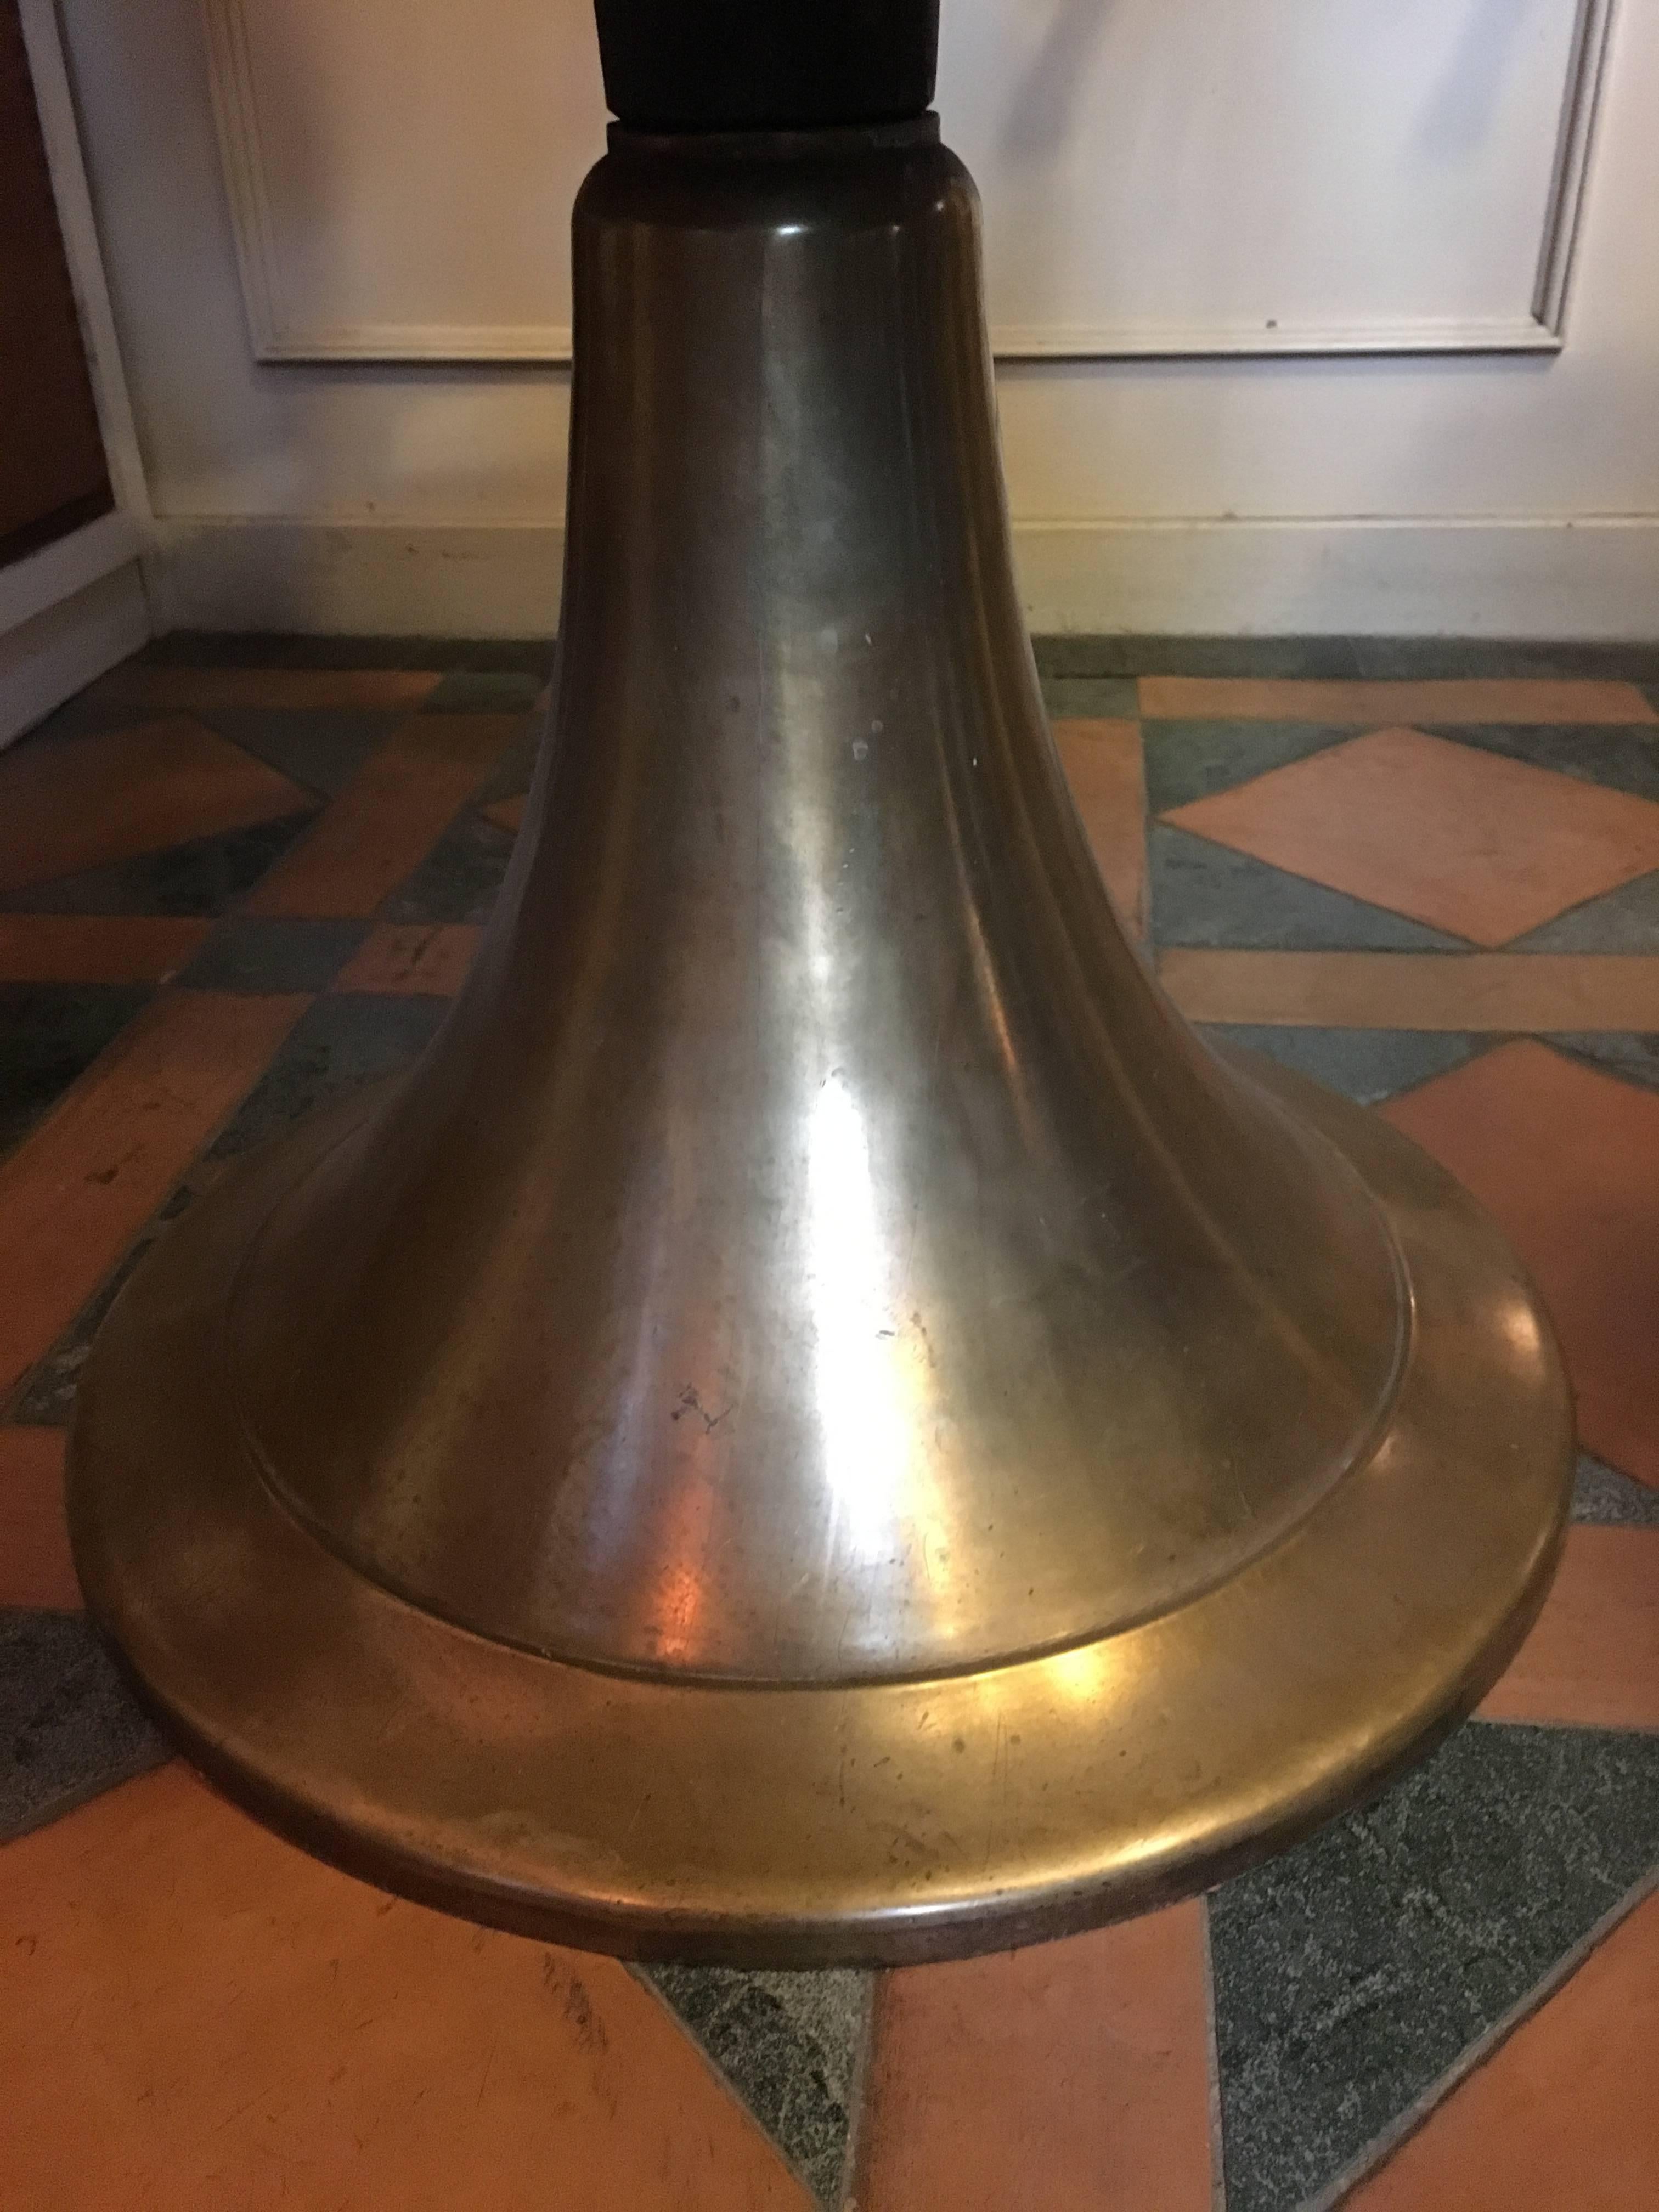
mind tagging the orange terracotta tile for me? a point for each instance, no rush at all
(1567, 1159)
(194, 2015)
(207, 690)
(77, 1190)
(1458, 699)
(77, 806)
(420, 958)
(1563, 2118)
(1104, 766)
(1593, 1659)
(1416, 990)
(388, 817)
(36, 1568)
(86, 948)
(1068, 2077)
(1466, 840)
(507, 814)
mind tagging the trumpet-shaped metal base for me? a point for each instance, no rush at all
(818, 1424)
(805, 1825)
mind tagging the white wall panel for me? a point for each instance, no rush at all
(1161, 177)
(1509, 494)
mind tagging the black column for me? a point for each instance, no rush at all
(766, 64)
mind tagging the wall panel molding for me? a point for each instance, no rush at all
(276, 216)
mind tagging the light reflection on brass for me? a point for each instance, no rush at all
(819, 1423)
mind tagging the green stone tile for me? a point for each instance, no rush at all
(1079, 655)
(460, 877)
(50, 1033)
(1367, 1065)
(518, 656)
(198, 879)
(1207, 894)
(1618, 757)
(1190, 760)
(1631, 1054)
(1606, 1499)
(790, 2045)
(510, 776)
(322, 749)
(339, 1043)
(1095, 696)
(1360, 1970)
(482, 691)
(68, 1725)
(1421, 659)
(267, 953)
(1625, 921)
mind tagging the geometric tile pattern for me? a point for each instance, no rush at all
(255, 878)
(1468, 842)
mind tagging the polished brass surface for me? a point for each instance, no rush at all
(819, 1423)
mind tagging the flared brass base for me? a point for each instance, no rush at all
(818, 1423)
(889, 1822)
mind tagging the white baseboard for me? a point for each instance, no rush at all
(1596, 577)
(48, 658)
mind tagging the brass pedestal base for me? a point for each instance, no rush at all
(889, 1822)
(818, 1423)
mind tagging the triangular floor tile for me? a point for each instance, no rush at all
(789, 2044)
(1625, 921)
(1192, 760)
(1207, 894)
(459, 879)
(1605, 1498)
(1618, 759)
(322, 750)
(1367, 1065)
(69, 1726)
(1628, 1052)
(337, 1044)
(1354, 1973)
(202, 877)
(50, 1033)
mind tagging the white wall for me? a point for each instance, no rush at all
(1454, 493)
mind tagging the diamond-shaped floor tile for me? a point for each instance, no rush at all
(1369, 1965)
(1463, 840)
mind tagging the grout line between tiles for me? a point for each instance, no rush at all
(864, 2058)
(1382, 2147)
(1212, 2070)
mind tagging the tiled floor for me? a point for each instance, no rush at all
(238, 876)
